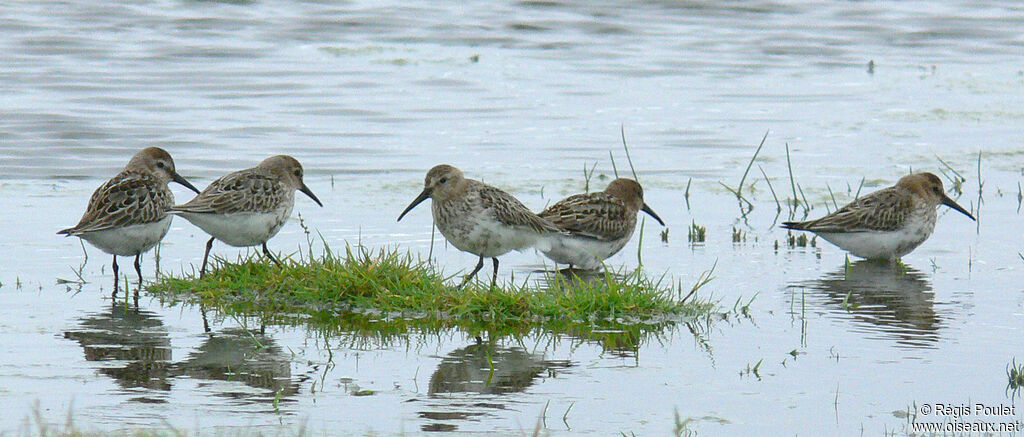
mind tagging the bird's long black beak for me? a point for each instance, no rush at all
(651, 213)
(952, 204)
(424, 195)
(309, 193)
(177, 178)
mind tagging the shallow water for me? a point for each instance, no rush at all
(523, 95)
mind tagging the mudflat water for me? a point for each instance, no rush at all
(523, 95)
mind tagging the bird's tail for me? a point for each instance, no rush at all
(799, 226)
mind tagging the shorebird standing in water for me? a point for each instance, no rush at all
(598, 224)
(478, 218)
(888, 223)
(247, 207)
(128, 215)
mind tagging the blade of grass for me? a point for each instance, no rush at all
(792, 182)
(981, 183)
(950, 167)
(806, 203)
(686, 194)
(739, 189)
(640, 243)
(614, 168)
(622, 131)
(778, 205)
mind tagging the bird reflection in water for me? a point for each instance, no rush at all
(470, 382)
(236, 354)
(134, 341)
(885, 297)
(135, 349)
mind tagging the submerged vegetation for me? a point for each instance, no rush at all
(738, 236)
(697, 233)
(366, 288)
(1015, 377)
(801, 240)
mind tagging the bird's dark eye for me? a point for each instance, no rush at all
(298, 173)
(443, 180)
(160, 164)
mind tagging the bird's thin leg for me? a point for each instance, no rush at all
(494, 278)
(138, 270)
(267, 253)
(206, 324)
(114, 294)
(479, 266)
(206, 257)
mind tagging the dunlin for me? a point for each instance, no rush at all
(598, 224)
(128, 215)
(888, 223)
(247, 207)
(478, 218)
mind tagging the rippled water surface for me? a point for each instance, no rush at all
(523, 95)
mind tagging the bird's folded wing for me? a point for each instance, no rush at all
(126, 199)
(238, 192)
(594, 215)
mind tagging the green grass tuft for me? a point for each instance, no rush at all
(360, 289)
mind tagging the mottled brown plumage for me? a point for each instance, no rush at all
(478, 218)
(507, 209)
(594, 215)
(247, 207)
(250, 190)
(883, 210)
(129, 198)
(128, 214)
(136, 195)
(598, 224)
(888, 223)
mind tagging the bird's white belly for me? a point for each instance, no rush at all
(240, 229)
(878, 245)
(887, 244)
(488, 238)
(585, 253)
(129, 240)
